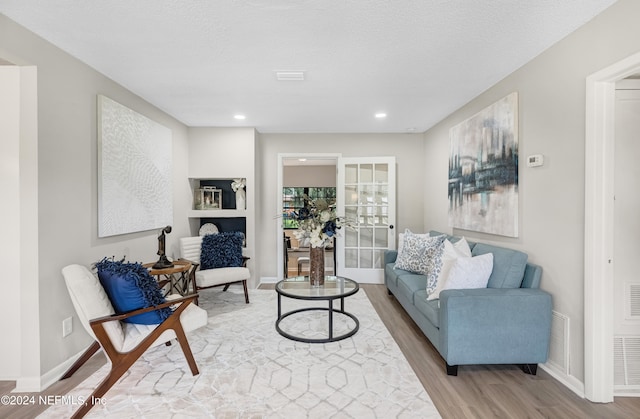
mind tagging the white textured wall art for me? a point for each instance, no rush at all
(134, 171)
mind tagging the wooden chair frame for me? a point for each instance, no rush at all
(122, 361)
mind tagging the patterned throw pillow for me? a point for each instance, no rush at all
(422, 255)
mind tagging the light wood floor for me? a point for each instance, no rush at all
(477, 392)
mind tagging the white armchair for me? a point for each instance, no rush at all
(190, 248)
(123, 343)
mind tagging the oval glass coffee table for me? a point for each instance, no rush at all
(334, 288)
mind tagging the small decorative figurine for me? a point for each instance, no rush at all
(163, 262)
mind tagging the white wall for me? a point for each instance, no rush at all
(552, 122)
(309, 176)
(409, 152)
(66, 216)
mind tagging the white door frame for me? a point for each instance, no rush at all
(279, 228)
(598, 242)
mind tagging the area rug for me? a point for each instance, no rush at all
(248, 370)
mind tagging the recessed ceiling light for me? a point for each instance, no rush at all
(238, 116)
(302, 160)
(381, 115)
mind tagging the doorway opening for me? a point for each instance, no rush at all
(297, 173)
(599, 227)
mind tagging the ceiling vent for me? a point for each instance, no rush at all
(290, 75)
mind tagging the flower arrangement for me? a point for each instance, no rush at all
(238, 184)
(318, 223)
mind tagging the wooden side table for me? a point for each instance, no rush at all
(177, 277)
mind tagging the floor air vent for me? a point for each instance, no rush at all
(559, 345)
(626, 361)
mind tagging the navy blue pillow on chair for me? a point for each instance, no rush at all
(131, 287)
(221, 250)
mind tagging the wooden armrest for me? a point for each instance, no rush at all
(193, 264)
(121, 316)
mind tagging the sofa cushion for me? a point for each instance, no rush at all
(409, 284)
(469, 273)
(430, 308)
(508, 265)
(391, 274)
(131, 287)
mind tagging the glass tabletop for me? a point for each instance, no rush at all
(334, 287)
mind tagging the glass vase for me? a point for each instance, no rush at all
(316, 266)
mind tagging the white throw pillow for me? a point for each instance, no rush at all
(468, 273)
(452, 251)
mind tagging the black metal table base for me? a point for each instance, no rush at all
(330, 311)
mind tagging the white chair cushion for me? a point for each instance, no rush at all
(91, 301)
(219, 276)
(192, 318)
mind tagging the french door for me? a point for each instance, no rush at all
(366, 196)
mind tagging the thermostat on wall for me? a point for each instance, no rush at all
(535, 160)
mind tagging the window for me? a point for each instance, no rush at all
(294, 198)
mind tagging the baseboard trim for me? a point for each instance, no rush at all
(267, 280)
(28, 385)
(41, 383)
(572, 383)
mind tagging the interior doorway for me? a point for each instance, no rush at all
(599, 227)
(299, 172)
(626, 285)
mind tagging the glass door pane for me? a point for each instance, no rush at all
(368, 185)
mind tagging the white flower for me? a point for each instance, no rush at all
(238, 184)
(325, 216)
(317, 224)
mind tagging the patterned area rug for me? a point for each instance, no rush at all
(248, 370)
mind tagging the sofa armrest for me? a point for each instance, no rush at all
(390, 256)
(495, 326)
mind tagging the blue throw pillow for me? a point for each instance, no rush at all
(131, 287)
(221, 250)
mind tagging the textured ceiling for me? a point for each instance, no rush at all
(203, 61)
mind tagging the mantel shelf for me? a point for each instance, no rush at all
(216, 213)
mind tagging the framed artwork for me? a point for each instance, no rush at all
(134, 171)
(483, 170)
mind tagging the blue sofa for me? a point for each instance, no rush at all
(509, 322)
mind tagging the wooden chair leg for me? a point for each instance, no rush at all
(186, 349)
(91, 350)
(114, 375)
(246, 292)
